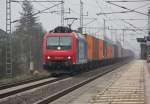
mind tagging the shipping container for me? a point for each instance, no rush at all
(109, 51)
(119, 49)
(89, 40)
(104, 49)
(119, 52)
(95, 48)
(122, 52)
(100, 50)
(115, 51)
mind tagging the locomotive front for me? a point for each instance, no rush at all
(59, 49)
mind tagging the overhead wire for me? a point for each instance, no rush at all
(46, 7)
(134, 10)
(129, 1)
(123, 7)
(90, 22)
(39, 12)
(114, 12)
(115, 22)
(134, 26)
(105, 14)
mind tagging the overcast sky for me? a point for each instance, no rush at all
(49, 21)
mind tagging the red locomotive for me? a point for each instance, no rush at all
(64, 49)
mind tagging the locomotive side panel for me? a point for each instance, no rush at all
(81, 50)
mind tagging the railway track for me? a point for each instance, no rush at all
(24, 87)
(53, 88)
(54, 97)
(9, 85)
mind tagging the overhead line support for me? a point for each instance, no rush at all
(62, 13)
(8, 46)
(8, 30)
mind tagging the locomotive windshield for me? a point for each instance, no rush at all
(64, 42)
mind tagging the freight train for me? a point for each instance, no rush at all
(67, 51)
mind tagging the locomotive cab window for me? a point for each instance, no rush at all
(52, 41)
(63, 42)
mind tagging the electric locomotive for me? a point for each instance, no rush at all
(64, 50)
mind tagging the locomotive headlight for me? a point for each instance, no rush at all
(69, 57)
(59, 48)
(48, 57)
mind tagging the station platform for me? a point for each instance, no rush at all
(128, 89)
(129, 84)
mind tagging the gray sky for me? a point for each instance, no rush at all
(49, 21)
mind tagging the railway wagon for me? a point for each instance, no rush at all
(116, 51)
(100, 49)
(94, 50)
(119, 51)
(125, 53)
(90, 46)
(119, 47)
(109, 51)
(104, 50)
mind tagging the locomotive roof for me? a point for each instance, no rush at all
(61, 29)
(57, 34)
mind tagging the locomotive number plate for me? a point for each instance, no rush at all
(58, 58)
